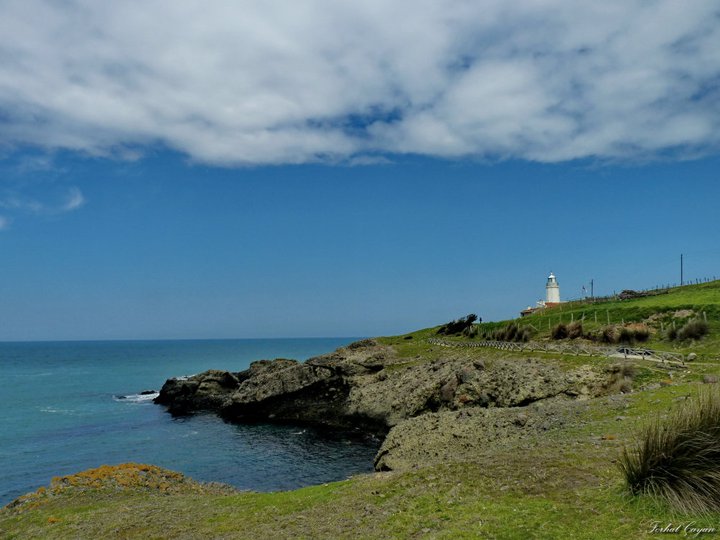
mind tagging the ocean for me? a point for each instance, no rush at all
(69, 406)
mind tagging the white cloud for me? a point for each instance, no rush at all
(17, 203)
(232, 82)
(73, 200)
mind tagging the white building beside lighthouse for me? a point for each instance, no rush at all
(552, 290)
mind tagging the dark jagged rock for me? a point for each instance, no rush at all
(202, 392)
(450, 406)
(366, 386)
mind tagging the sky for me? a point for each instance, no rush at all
(186, 169)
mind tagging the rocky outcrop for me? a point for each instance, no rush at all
(205, 391)
(366, 386)
(460, 436)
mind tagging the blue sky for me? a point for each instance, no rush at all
(269, 171)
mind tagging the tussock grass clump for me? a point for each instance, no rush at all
(509, 332)
(626, 335)
(694, 329)
(470, 331)
(559, 331)
(575, 330)
(621, 378)
(678, 458)
(642, 333)
(609, 334)
(524, 335)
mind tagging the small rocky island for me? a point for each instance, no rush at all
(429, 410)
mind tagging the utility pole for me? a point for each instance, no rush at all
(681, 269)
(592, 284)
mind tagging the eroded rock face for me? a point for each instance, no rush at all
(204, 391)
(435, 410)
(459, 436)
(366, 386)
(394, 395)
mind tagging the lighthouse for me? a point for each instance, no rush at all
(552, 290)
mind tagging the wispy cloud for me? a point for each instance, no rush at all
(278, 82)
(16, 204)
(74, 200)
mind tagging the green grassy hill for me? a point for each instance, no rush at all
(658, 312)
(562, 483)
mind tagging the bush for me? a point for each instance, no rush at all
(459, 325)
(559, 331)
(676, 458)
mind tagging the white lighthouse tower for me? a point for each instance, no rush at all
(552, 290)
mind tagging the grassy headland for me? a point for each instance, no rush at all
(563, 482)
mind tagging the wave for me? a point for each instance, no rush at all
(147, 395)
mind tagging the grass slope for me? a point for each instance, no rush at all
(657, 311)
(565, 483)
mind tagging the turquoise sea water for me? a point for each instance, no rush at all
(61, 412)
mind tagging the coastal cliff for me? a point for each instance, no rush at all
(477, 442)
(366, 386)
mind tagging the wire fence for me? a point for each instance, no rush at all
(669, 359)
(650, 291)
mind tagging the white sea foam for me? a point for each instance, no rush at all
(136, 398)
(53, 410)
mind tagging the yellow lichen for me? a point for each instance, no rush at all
(125, 476)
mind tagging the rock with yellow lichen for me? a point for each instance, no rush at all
(114, 478)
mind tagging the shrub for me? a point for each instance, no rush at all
(672, 333)
(559, 331)
(459, 325)
(694, 329)
(676, 458)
